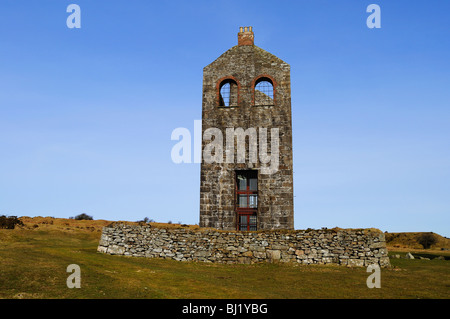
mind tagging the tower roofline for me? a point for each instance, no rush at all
(245, 50)
(246, 44)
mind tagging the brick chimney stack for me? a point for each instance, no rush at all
(245, 36)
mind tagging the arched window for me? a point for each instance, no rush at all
(263, 92)
(228, 93)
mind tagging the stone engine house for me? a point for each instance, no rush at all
(247, 90)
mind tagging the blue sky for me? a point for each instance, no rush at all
(86, 115)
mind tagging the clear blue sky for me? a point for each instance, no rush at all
(86, 115)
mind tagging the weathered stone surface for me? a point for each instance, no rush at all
(384, 261)
(116, 250)
(102, 249)
(208, 245)
(377, 245)
(355, 262)
(273, 254)
(104, 240)
(299, 252)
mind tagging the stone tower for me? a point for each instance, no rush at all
(246, 179)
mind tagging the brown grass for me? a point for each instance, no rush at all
(410, 241)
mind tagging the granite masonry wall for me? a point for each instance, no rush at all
(360, 247)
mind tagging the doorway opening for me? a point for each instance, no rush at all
(246, 199)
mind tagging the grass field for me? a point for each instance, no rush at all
(33, 262)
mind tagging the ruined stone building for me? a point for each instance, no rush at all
(247, 90)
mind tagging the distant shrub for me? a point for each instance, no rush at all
(48, 222)
(9, 222)
(427, 239)
(83, 217)
(146, 220)
(113, 224)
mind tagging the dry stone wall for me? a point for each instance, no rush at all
(326, 246)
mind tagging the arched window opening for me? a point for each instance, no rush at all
(264, 92)
(228, 93)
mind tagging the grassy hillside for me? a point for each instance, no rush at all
(411, 241)
(34, 258)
